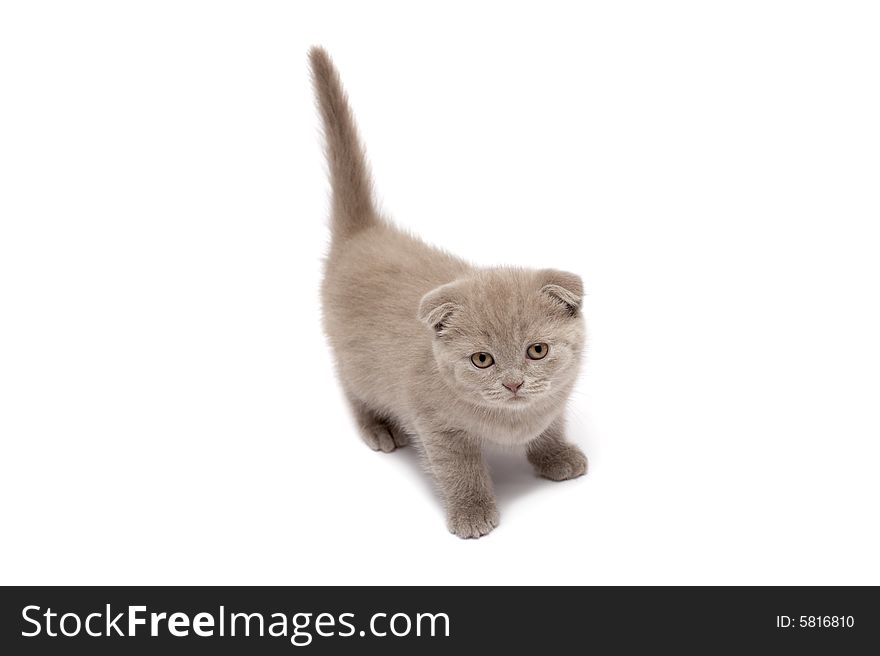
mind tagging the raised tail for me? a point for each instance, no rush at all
(352, 197)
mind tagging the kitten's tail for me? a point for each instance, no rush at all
(352, 198)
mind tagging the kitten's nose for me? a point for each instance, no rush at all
(513, 387)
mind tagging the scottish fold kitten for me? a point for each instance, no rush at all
(431, 348)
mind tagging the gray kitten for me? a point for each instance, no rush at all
(430, 346)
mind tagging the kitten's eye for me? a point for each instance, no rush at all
(538, 351)
(482, 360)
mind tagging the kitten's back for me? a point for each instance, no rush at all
(375, 274)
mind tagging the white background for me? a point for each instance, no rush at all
(168, 411)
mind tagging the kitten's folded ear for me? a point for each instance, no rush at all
(565, 288)
(436, 306)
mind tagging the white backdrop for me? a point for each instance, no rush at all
(168, 412)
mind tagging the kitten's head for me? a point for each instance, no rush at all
(507, 338)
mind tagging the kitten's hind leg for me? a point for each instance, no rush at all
(379, 433)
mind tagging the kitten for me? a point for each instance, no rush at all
(430, 346)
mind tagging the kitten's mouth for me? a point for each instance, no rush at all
(516, 399)
(509, 401)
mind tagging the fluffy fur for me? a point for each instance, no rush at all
(404, 320)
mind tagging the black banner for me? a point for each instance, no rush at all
(406, 620)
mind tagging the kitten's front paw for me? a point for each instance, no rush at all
(568, 462)
(472, 520)
(384, 438)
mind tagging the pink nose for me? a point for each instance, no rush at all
(513, 387)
